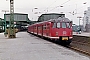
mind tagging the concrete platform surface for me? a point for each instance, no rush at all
(29, 47)
(82, 34)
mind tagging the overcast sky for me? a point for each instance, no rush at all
(52, 6)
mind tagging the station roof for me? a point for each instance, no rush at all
(17, 14)
(17, 17)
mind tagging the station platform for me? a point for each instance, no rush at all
(87, 34)
(29, 47)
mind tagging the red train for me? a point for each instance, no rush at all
(55, 29)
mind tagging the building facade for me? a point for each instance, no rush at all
(86, 20)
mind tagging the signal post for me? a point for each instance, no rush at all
(11, 31)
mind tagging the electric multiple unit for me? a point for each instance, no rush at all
(55, 29)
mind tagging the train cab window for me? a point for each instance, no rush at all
(54, 25)
(68, 25)
(63, 25)
(58, 25)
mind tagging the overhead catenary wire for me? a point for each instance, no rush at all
(28, 9)
(50, 5)
(79, 8)
(59, 5)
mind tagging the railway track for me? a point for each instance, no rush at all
(85, 50)
(82, 47)
(73, 46)
(79, 50)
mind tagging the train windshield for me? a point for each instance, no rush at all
(61, 25)
(65, 25)
(58, 25)
(54, 25)
(68, 25)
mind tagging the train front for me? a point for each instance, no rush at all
(62, 30)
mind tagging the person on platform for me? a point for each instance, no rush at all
(79, 31)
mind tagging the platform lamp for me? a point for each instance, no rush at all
(33, 11)
(79, 20)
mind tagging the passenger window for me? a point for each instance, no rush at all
(48, 26)
(44, 27)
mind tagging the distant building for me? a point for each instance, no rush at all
(48, 16)
(21, 20)
(86, 20)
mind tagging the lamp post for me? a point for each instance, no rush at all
(79, 20)
(34, 8)
(33, 11)
(61, 7)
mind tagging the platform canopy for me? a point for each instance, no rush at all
(17, 17)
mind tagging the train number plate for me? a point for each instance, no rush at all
(64, 38)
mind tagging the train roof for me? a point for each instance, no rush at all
(48, 16)
(53, 14)
(60, 19)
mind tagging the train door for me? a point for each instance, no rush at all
(37, 29)
(42, 29)
(53, 29)
(33, 29)
(48, 30)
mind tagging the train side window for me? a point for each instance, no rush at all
(63, 25)
(48, 26)
(38, 27)
(54, 25)
(58, 25)
(44, 27)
